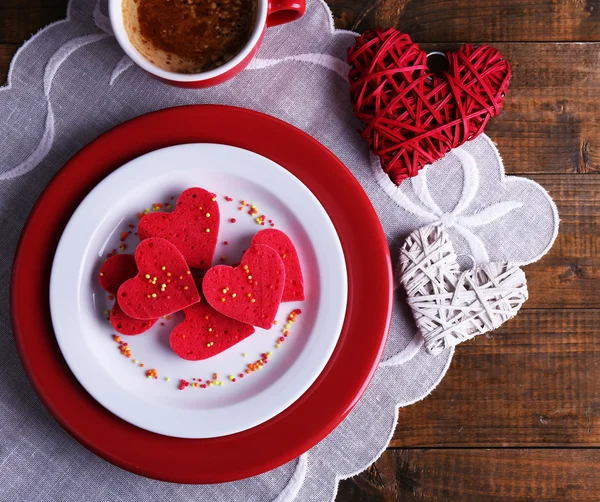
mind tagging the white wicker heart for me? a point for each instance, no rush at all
(450, 305)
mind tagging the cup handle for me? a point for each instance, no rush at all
(284, 11)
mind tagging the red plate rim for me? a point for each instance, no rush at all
(310, 418)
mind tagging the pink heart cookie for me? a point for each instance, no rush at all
(126, 325)
(193, 227)
(251, 292)
(114, 272)
(280, 242)
(206, 333)
(163, 285)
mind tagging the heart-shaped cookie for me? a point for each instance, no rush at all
(450, 305)
(114, 272)
(251, 292)
(163, 285)
(205, 333)
(280, 242)
(413, 116)
(193, 227)
(126, 325)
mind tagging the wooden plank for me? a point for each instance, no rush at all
(549, 122)
(533, 382)
(18, 24)
(450, 21)
(6, 54)
(475, 20)
(569, 275)
(500, 475)
(33, 4)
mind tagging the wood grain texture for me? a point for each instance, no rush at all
(18, 23)
(6, 54)
(33, 4)
(533, 382)
(475, 20)
(550, 122)
(569, 275)
(477, 475)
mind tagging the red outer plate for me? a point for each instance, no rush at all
(300, 426)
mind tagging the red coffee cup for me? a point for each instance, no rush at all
(269, 13)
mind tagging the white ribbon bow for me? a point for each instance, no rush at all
(462, 223)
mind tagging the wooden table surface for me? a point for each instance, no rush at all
(517, 416)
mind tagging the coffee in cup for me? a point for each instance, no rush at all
(189, 36)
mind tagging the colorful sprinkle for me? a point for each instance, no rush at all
(152, 373)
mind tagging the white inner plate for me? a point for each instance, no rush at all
(78, 303)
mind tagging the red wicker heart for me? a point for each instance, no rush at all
(413, 116)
